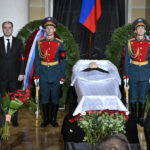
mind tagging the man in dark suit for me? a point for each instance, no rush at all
(50, 68)
(12, 64)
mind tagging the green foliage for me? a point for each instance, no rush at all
(115, 49)
(72, 53)
(148, 101)
(118, 41)
(97, 124)
(5, 101)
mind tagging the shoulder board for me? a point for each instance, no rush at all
(132, 39)
(148, 38)
(59, 40)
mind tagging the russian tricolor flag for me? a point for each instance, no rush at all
(90, 13)
(30, 63)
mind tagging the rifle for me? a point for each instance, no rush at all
(126, 87)
(37, 103)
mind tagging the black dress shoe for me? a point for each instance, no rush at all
(44, 124)
(54, 123)
(141, 122)
(15, 123)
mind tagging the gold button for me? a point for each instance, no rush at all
(140, 42)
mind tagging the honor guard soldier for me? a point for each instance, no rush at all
(137, 68)
(50, 67)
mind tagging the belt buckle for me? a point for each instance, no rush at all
(48, 65)
(139, 64)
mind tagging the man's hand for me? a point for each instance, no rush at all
(8, 118)
(20, 77)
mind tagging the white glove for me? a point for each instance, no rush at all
(149, 80)
(36, 82)
(126, 83)
(61, 82)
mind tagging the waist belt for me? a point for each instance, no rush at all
(140, 63)
(49, 63)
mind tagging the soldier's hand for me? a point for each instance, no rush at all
(36, 82)
(126, 82)
(61, 82)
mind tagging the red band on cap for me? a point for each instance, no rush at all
(140, 24)
(49, 23)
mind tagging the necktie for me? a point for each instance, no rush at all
(8, 46)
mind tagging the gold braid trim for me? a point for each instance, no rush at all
(40, 51)
(131, 53)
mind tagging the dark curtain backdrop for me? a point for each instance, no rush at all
(67, 12)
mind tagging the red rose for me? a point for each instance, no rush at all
(89, 112)
(99, 115)
(78, 115)
(10, 93)
(71, 120)
(76, 118)
(123, 113)
(126, 117)
(105, 110)
(12, 97)
(19, 90)
(16, 94)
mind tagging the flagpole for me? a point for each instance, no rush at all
(51, 7)
(90, 46)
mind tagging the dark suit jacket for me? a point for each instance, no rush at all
(2, 119)
(2, 116)
(11, 64)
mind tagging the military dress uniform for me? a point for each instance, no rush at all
(50, 66)
(137, 67)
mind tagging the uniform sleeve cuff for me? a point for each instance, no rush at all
(36, 77)
(62, 79)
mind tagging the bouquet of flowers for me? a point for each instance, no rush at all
(99, 124)
(10, 104)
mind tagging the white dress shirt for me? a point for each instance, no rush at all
(6, 41)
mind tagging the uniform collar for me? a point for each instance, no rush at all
(50, 39)
(140, 39)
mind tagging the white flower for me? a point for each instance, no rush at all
(83, 113)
